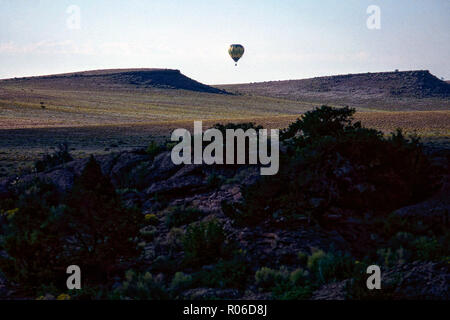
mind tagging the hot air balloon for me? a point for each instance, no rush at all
(236, 52)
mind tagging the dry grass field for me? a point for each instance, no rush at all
(21, 107)
(113, 110)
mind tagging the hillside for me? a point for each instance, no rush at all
(125, 96)
(223, 232)
(131, 96)
(388, 90)
(115, 79)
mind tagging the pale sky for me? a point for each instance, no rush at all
(283, 39)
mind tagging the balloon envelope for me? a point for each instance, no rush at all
(236, 51)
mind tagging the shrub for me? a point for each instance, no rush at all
(320, 122)
(284, 285)
(170, 144)
(137, 177)
(287, 291)
(32, 238)
(175, 239)
(215, 181)
(227, 273)
(151, 219)
(180, 282)
(356, 287)
(238, 126)
(331, 266)
(406, 247)
(89, 293)
(60, 156)
(429, 248)
(303, 258)
(322, 268)
(165, 264)
(103, 230)
(138, 286)
(334, 163)
(204, 243)
(180, 215)
(268, 278)
(148, 233)
(154, 149)
(87, 227)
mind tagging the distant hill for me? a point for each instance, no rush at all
(384, 88)
(116, 79)
(125, 96)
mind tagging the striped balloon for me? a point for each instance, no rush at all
(236, 52)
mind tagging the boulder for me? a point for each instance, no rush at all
(63, 179)
(331, 291)
(433, 210)
(123, 165)
(186, 180)
(420, 280)
(162, 168)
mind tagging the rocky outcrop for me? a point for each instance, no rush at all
(435, 210)
(420, 280)
(271, 247)
(269, 244)
(332, 291)
(416, 84)
(412, 281)
(119, 79)
(187, 180)
(116, 166)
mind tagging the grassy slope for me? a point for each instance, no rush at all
(390, 91)
(20, 106)
(113, 116)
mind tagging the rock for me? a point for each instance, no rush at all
(162, 168)
(174, 186)
(77, 166)
(187, 180)
(61, 178)
(420, 280)
(210, 293)
(250, 295)
(152, 205)
(123, 165)
(116, 166)
(132, 199)
(272, 248)
(331, 291)
(433, 210)
(413, 281)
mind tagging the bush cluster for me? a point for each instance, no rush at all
(49, 231)
(60, 156)
(334, 162)
(179, 215)
(204, 243)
